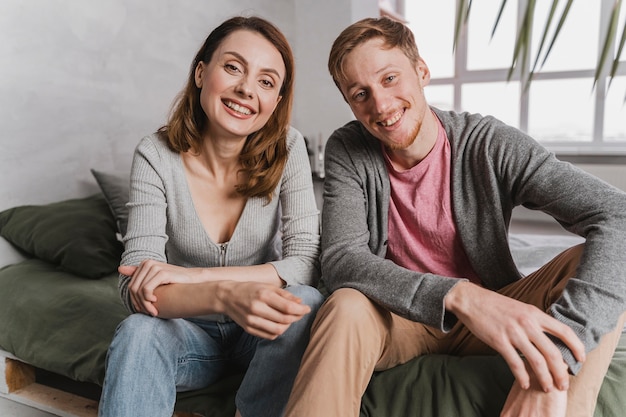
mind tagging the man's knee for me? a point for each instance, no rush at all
(349, 307)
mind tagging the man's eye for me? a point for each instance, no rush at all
(359, 96)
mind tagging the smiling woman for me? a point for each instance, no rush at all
(223, 236)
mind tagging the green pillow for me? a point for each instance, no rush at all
(58, 321)
(78, 235)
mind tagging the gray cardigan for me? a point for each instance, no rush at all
(163, 223)
(494, 168)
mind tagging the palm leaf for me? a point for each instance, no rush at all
(610, 35)
(462, 14)
(495, 25)
(620, 48)
(616, 60)
(528, 23)
(558, 29)
(522, 43)
(546, 29)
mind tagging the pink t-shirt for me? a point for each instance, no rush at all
(422, 232)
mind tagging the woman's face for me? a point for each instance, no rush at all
(240, 86)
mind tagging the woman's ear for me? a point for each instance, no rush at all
(198, 74)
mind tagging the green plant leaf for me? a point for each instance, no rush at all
(618, 54)
(608, 41)
(558, 29)
(522, 43)
(495, 25)
(528, 22)
(555, 3)
(460, 19)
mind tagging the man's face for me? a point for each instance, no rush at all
(385, 92)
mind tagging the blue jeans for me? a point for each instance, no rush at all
(150, 359)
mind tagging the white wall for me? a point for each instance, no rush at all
(81, 81)
(320, 108)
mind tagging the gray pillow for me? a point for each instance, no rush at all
(116, 190)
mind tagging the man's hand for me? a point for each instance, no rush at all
(534, 401)
(514, 328)
(262, 310)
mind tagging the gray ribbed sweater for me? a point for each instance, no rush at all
(163, 224)
(494, 168)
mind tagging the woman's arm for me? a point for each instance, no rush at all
(263, 309)
(299, 218)
(151, 275)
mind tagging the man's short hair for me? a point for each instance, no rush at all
(393, 33)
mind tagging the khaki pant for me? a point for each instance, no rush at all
(352, 337)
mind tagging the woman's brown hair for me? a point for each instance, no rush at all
(264, 154)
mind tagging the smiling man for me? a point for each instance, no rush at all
(417, 203)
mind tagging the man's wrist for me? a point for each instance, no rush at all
(455, 301)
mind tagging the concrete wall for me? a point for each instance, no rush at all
(320, 109)
(81, 81)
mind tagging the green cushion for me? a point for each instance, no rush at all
(78, 235)
(440, 385)
(58, 321)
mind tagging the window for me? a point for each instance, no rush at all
(561, 108)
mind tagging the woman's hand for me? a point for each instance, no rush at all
(263, 310)
(149, 275)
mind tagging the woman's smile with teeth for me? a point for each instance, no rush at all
(239, 109)
(392, 120)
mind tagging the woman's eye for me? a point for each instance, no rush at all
(231, 68)
(390, 78)
(267, 83)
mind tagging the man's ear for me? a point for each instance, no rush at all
(423, 72)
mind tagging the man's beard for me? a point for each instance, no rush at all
(407, 143)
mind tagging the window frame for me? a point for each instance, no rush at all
(596, 146)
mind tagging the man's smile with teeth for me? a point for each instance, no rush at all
(392, 120)
(236, 107)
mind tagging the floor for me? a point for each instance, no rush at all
(9, 408)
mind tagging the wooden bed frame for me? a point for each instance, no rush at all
(19, 383)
